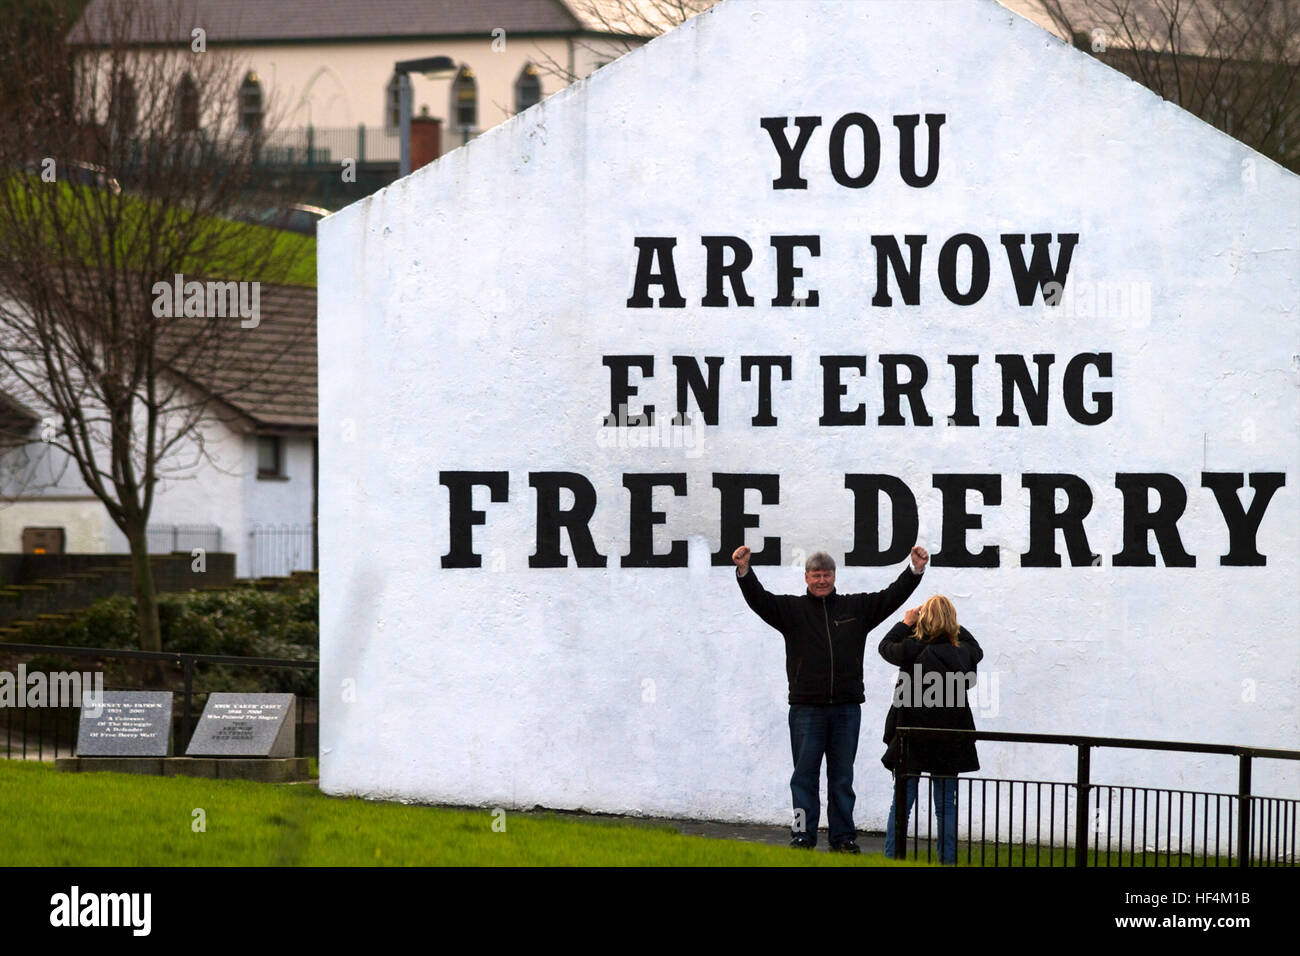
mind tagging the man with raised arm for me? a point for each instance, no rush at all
(825, 633)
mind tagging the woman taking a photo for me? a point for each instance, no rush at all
(929, 641)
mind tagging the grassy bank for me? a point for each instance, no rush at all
(48, 818)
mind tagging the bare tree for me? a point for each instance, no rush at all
(618, 27)
(1234, 63)
(119, 170)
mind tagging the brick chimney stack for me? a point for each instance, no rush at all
(426, 139)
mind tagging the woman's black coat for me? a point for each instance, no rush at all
(946, 703)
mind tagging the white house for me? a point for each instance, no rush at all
(328, 65)
(247, 485)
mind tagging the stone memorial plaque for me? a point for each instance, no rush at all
(245, 725)
(128, 723)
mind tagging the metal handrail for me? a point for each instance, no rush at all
(1083, 783)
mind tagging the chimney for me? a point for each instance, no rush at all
(426, 139)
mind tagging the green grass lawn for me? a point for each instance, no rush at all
(219, 249)
(49, 818)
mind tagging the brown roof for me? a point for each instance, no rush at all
(268, 373)
(263, 377)
(244, 21)
(16, 421)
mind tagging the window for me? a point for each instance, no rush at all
(187, 105)
(122, 108)
(528, 89)
(393, 103)
(250, 104)
(270, 457)
(464, 99)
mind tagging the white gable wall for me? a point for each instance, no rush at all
(465, 312)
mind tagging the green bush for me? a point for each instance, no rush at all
(240, 622)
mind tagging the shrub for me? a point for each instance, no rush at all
(240, 622)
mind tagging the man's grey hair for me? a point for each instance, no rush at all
(820, 561)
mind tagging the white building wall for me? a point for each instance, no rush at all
(343, 84)
(212, 483)
(279, 510)
(84, 521)
(465, 312)
(203, 488)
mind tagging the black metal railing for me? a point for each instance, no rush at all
(56, 727)
(1093, 824)
(328, 146)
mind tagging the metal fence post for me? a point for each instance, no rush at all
(1082, 787)
(900, 799)
(1243, 808)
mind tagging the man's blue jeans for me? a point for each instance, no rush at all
(945, 811)
(830, 729)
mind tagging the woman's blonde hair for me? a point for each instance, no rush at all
(937, 621)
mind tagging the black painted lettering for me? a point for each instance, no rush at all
(1140, 522)
(551, 518)
(787, 271)
(649, 250)
(833, 390)
(690, 378)
(621, 390)
(1045, 520)
(907, 276)
(741, 257)
(1073, 388)
(1040, 271)
(979, 269)
(790, 156)
(764, 364)
(953, 552)
(963, 412)
(641, 532)
(1243, 524)
(866, 520)
(461, 514)
(870, 150)
(894, 391)
(1015, 378)
(735, 519)
(907, 148)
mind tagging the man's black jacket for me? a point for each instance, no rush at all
(824, 637)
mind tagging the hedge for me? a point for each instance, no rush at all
(240, 622)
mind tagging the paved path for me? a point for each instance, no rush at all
(745, 832)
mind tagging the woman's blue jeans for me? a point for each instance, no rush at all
(944, 790)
